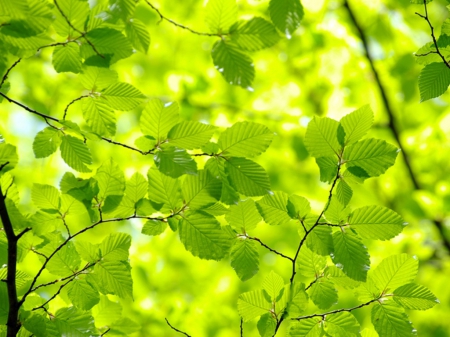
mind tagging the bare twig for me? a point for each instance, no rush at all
(268, 248)
(162, 17)
(242, 327)
(391, 116)
(83, 34)
(323, 315)
(73, 101)
(173, 328)
(5, 77)
(426, 18)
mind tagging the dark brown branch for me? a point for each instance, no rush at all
(173, 328)
(162, 17)
(268, 248)
(426, 18)
(69, 278)
(12, 323)
(242, 327)
(83, 34)
(48, 118)
(391, 116)
(335, 311)
(107, 330)
(5, 77)
(73, 101)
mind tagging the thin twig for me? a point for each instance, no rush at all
(173, 328)
(73, 101)
(392, 119)
(323, 315)
(162, 17)
(426, 18)
(242, 327)
(107, 330)
(83, 34)
(268, 248)
(5, 77)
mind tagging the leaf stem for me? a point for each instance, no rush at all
(173, 328)
(268, 248)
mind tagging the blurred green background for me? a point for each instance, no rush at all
(320, 71)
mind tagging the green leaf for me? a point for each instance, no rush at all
(299, 300)
(4, 303)
(320, 240)
(114, 277)
(356, 124)
(97, 78)
(374, 156)
(25, 46)
(88, 251)
(323, 294)
(286, 15)
(71, 322)
(111, 182)
(82, 294)
(253, 304)
(124, 327)
(298, 207)
(336, 213)
(164, 190)
(216, 165)
(220, 15)
(245, 139)
(201, 190)
(344, 192)
(99, 116)
(115, 247)
(415, 296)
(328, 168)
(175, 162)
(433, 80)
(154, 227)
(123, 8)
(8, 154)
(67, 58)
(136, 187)
(337, 276)
(254, 34)
(217, 209)
(110, 43)
(65, 261)
(75, 153)
(395, 271)
(190, 135)
(391, 321)
(203, 236)
(146, 143)
(157, 118)
(243, 216)
(310, 264)
(342, 324)
(106, 312)
(321, 138)
(236, 67)
(76, 11)
(351, 255)
(45, 197)
(245, 258)
(46, 142)
(376, 222)
(36, 324)
(273, 208)
(247, 177)
(138, 34)
(273, 284)
(122, 96)
(266, 325)
(310, 327)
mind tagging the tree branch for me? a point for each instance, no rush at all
(73, 101)
(268, 248)
(242, 327)
(83, 34)
(162, 17)
(391, 117)
(335, 311)
(173, 328)
(12, 323)
(5, 77)
(425, 17)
